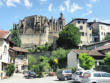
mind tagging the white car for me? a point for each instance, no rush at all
(96, 77)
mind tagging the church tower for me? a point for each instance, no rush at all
(61, 22)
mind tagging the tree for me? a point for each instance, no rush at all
(58, 59)
(86, 62)
(69, 37)
(15, 36)
(107, 37)
(107, 62)
(10, 70)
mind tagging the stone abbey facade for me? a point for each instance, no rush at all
(37, 30)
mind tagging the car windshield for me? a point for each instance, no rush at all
(67, 71)
(78, 73)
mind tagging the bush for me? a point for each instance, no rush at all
(86, 62)
(10, 70)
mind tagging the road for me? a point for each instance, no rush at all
(18, 78)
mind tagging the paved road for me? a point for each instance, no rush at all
(18, 78)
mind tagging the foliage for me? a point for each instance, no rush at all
(86, 62)
(58, 59)
(32, 63)
(107, 62)
(15, 36)
(39, 48)
(69, 37)
(10, 70)
(107, 37)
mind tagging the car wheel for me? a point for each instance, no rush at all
(93, 82)
(65, 78)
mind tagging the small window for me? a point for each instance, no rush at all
(5, 49)
(82, 33)
(102, 33)
(78, 22)
(83, 22)
(97, 75)
(81, 27)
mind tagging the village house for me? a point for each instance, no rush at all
(73, 61)
(4, 54)
(19, 58)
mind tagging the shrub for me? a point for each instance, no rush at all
(86, 62)
(10, 70)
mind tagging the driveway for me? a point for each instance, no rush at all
(18, 78)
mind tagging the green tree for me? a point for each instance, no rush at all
(15, 36)
(58, 56)
(107, 37)
(69, 37)
(10, 70)
(107, 62)
(32, 62)
(86, 62)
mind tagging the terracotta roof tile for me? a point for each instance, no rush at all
(18, 49)
(3, 34)
(89, 52)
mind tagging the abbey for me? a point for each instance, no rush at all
(37, 30)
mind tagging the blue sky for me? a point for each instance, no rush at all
(11, 11)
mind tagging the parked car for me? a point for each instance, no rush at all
(64, 74)
(96, 77)
(30, 75)
(78, 75)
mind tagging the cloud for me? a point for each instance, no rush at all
(1, 3)
(71, 7)
(27, 3)
(62, 8)
(50, 7)
(93, 0)
(74, 7)
(43, 0)
(12, 3)
(89, 5)
(88, 13)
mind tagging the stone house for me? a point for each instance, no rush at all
(85, 30)
(4, 54)
(72, 57)
(19, 58)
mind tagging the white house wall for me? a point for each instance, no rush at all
(72, 60)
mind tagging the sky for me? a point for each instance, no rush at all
(11, 11)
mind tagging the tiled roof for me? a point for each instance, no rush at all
(104, 47)
(89, 52)
(3, 34)
(18, 49)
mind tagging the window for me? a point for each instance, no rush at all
(102, 33)
(97, 75)
(105, 75)
(81, 27)
(82, 33)
(5, 49)
(83, 22)
(78, 22)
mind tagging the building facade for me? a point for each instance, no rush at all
(4, 54)
(100, 30)
(38, 30)
(85, 30)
